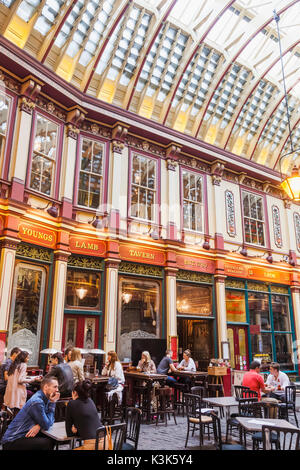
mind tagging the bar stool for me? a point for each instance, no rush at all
(178, 399)
(164, 404)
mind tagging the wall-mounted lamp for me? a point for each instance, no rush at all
(50, 208)
(243, 251)
(96, 222)
(81, 292)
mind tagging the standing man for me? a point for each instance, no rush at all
(165, 365)
(63, 373)
(23, 433)
(4, 370)
(276, 382)
(254, 380)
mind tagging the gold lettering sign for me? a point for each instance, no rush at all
(195, 264)
(37, 235)
(87, 246)
(142, 255)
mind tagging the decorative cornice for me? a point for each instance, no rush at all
(61, 256)
(287, 203)
(9, 82)
(9, 243)
(26, 105)
(139, 144)
(194, 163)
(171, 164)
(117, 146)
(96, 129)
(72, 131)
(51, 108)
(217, 170)
(33, 252)
(75, 118)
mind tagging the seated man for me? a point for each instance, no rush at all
(276, 382)
(23, 433)
(63, 373)
(163, 368)
(254, 380)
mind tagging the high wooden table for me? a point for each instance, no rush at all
(222, 402)
(98, 389)
(134, 376)
(193, 376)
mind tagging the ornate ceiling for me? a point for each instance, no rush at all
(207, 68)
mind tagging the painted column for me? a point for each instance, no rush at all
(111, 304)
(290, 233)
(29, 92)
(7, 265)
(296, 308)
(217, 173)
(173, 211)
(58, 299)
(221, 310)
(74, 118)
(115, 200)
(171, 311)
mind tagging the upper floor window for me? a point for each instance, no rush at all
(91, 174)
(4, 116)
(143, 187)
(192, 201)
(44, 156)
(253, 214)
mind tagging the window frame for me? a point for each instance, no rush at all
(55, 183)
(204, 203)
(105, 165)
(157, 199)
(5, 157)
(266, 245)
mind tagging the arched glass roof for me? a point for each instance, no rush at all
(207, 68)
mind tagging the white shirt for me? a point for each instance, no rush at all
(281, 380)
(190, 365)
(117, 372)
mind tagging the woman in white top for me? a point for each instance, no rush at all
(113, 368)
(76, 365)
(187, 362)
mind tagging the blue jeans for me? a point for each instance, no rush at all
(171, 381)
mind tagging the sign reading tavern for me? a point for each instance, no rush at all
(142, 255)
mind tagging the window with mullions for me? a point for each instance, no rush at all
(143, 188)
(91, 173)
(253, 215)
(192, 201)
(4, 114)
(273, 327)
(44, 155)
(83, 289)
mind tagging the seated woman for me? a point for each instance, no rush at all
(82, 417)
(113, 368)
(187, 362)
(76, 365)
(146, 364)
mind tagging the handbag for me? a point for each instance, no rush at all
(109, 438)
(112, 384)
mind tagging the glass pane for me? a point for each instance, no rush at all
(261, 345)
(260, 233)
(242, 343)
(151, 174)
(253, 211)
(230, 337)
(97, 158)
(4, 105)
(186, 219)
(247, 231)
(283, 344)
(186, 185)
(235, 306)
(86, 155)
(142, 203)
(194, 300)
(253, 231)
(246, 205)
(134, 202)
(27, 310)
(281, 313)
(259, 310)
(70, 335)
(259, 208)
(143, 172)
(150, 205)
(139, 313)
(83, 289)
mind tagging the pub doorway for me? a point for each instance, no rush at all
(196, 335)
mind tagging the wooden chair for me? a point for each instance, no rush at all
(283, 438)
(218, 436)
(289, 404)
(118, 432)
(248, 407)
(195, 418)
(133, 418)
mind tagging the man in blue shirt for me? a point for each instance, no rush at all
(23, 433)
(165, 365)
